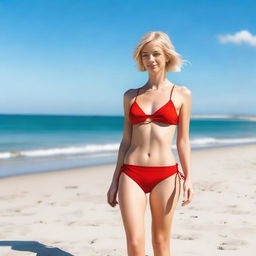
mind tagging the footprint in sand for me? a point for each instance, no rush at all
(39, 222)
(92, 241)
(71, 187)
(233, 206)
(237, 212)
(184, 237)
(193, 216)
(71, 223)
(78, 213)
(223, 236)
(231, 244)
(47, 195)
(93, 224)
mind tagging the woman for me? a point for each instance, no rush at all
(145, 162)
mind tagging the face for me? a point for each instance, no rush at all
(153, 57)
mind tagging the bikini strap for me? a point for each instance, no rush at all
(137, 94)
(171, 91)
(180, 175)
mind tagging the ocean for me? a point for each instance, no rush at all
(41, 143)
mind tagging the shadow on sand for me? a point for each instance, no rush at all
(33, 246)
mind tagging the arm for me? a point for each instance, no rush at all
(126, 140)
(183, 143)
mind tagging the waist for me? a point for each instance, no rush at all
(152, 157)
(151, 166)
(151, 169)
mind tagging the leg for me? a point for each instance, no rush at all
(132, 202)
(163, 200)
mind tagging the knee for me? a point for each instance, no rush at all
(136, 242)
(161, 241)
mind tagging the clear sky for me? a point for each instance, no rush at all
(75, 57)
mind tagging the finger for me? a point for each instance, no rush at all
(110, 202)
(190, 195)
(185, 203)
(185, 196)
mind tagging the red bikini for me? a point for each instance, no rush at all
(147, 177)
(166, 114)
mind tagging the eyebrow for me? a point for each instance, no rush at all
(154, 51)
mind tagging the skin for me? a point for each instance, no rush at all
(141, 144)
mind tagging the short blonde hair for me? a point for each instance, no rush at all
(175, 61)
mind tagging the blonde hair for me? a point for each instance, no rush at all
(175, 61)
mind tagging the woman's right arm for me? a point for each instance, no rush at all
(126, 140)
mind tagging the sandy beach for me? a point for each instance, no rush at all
(66, 212)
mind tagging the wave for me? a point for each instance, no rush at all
(238, 117)
(87, 149)
(99, 149)
(224, 141)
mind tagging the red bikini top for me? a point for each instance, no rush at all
(166, 114)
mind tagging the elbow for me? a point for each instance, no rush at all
(125, 144)
(183, 142)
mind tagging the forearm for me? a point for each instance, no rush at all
(123, 148)
(184, 151)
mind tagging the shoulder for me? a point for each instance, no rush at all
(184, 91)
(130, 93)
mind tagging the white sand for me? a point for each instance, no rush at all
(66, 212)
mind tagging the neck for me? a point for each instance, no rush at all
(157, 81)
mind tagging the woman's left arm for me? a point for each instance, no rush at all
(183, 144)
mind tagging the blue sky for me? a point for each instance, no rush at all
(75, 57)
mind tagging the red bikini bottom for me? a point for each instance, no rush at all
(147, 177)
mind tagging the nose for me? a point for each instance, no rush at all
(151, 58)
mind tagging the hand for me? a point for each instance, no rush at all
(187, 192)
(111, 195)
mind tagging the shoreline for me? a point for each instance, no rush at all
(72, 205)
(56, 169)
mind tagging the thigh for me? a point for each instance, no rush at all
(163, 200)
(132, 202)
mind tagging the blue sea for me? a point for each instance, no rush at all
(41, 143)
